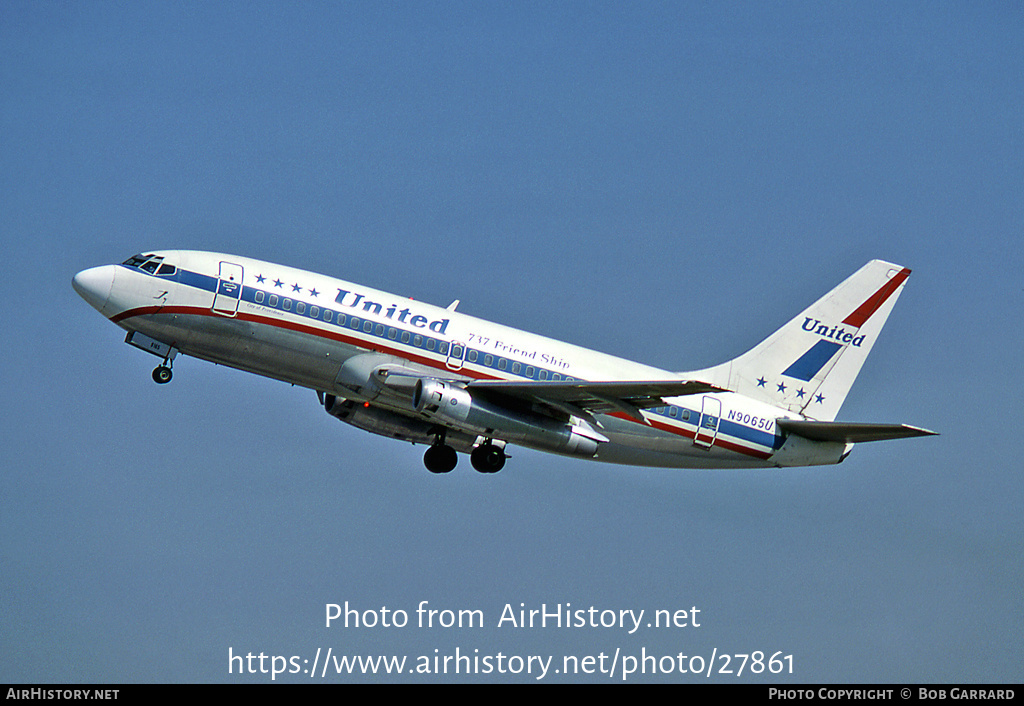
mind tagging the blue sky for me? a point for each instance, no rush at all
(667, 182)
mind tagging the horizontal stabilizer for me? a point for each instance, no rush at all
(849, 432)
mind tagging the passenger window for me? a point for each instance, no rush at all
(379, 330)
(529, 371)
(489, 360)
(516, 367)
(260, 296)
(417, 340)
(472, 355)
(405, 336)
(327, 315)
(300, 308)
(286, 304)
(543, 375)
(314, 311)
(392, 333)
(502, 363)
(353, 323)
(442, 348)
(367, 326)
(431, 344)
(273, 300)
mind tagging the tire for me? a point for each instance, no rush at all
(440, 459)
(488, 458)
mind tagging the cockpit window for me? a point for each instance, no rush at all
(136, 260)
(153, 264)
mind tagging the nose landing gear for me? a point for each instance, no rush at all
(162, 373)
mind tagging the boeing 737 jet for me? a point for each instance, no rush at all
(431, 375)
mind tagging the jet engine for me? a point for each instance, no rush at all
(453, 406)
(368, 376)
(394, 425)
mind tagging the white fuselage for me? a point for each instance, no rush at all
(302, 327)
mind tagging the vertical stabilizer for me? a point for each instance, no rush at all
(809, 365)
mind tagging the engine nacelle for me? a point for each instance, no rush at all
(368, 376)
(453, 405)
(394, 425)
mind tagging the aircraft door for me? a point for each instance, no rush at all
(229, 289)
(456, 355)
(707, 426)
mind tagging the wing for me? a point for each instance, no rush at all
(584, 399)
(848, 432)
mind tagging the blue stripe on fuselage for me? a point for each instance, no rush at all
(726, 427)
(754, 436)
(194, 279)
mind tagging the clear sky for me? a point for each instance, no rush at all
(667, 182)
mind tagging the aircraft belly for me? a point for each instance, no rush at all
(632, 443)
(279, 353)
(632, 454)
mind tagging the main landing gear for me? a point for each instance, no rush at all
(488, 458)
(441, 458)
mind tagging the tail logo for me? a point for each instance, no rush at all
(836, 333)
(810, 363)
(832, 341)
(834, 338)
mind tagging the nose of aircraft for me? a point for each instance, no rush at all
(94, 284)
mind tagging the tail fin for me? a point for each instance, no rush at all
(808, 366)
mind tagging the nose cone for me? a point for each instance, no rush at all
(94, 284)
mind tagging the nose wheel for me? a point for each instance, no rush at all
(162, 373)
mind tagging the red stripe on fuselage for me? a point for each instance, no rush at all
(686, 433)
(373, 346)
(370, 345)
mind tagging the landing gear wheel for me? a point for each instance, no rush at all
(440, 458)
(488, 458)
(161, 374)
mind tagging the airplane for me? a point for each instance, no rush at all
(458, 384)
